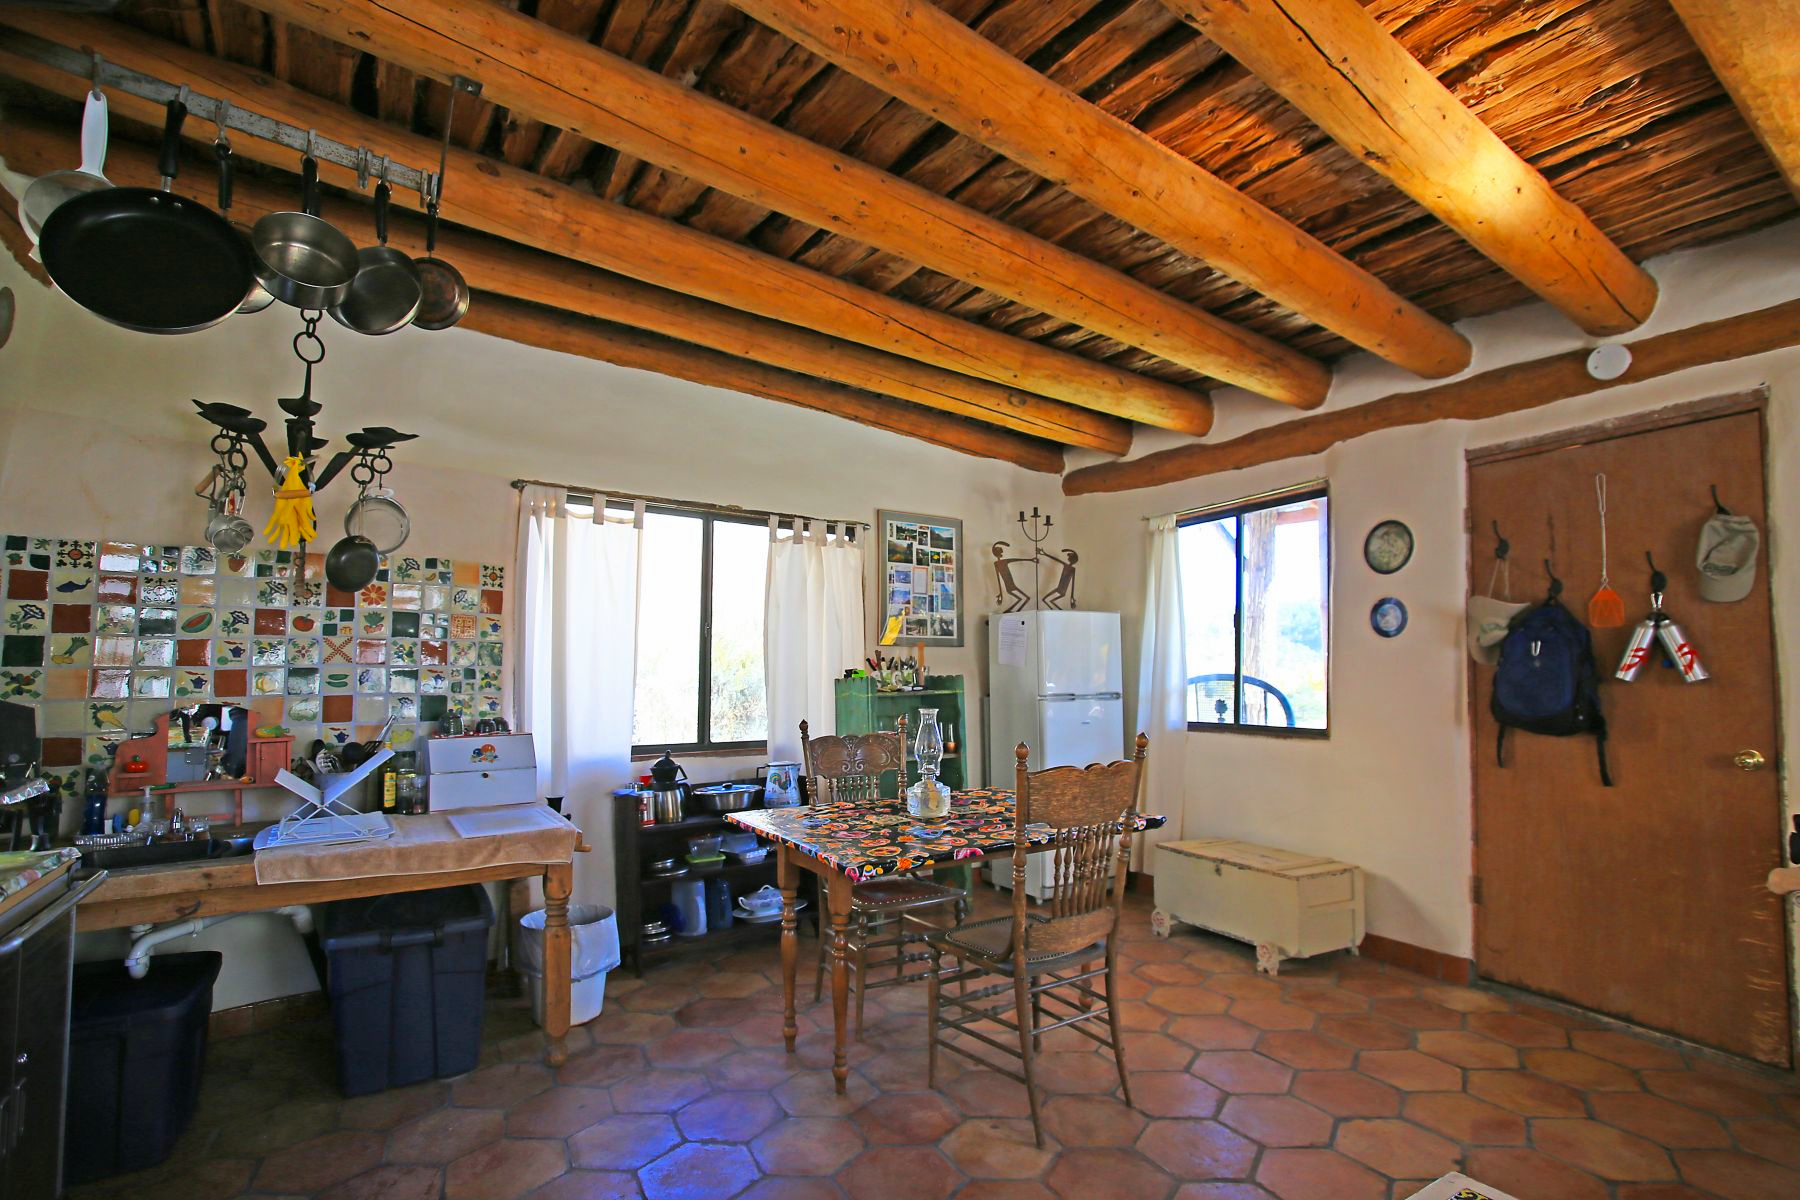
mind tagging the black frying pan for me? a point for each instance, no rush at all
(146, 258)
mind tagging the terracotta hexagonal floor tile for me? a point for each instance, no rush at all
(390, 1183)
(661, 996)
(1777, 1141)
(728, 1117)
(1173, 1094)
(1517, 1030)
(1465, 1049)
(1414, 1012)
(1306, 1050)
(1097, 1120)
(384, 1110)
(1380, 986)
(1078, 1071)
(807, 1146)
(690, 1048)
(504, 1170)
(1602, 1150)
(1273, 1014)
(1525, 1094)
(1214, 1032)
(695, 1170)
(1365, 1032)
(316, 1164)
(1156, 1052)
(636, 1028)
(558, 1113)
(1222, 1191)
(1005, 1189)
(500, 1086)
(625, 1142)
(907, 1070)
(1410, 1071)
(1581, 1071)
(1141, 1014)
(1242, 1071)
(1277, 1120)
(1463, 1118)
(981, 1093)
(1246, 986)
(1397, 1148)
(998, 1148)
(1197, 1149)
(1737, 1176)
(1660, 1191)
(1464, 999)
(1529, 1174)
(918, 1117)
(732, 985)
(1675, 1126)
(751, 1070)
(258, 1133)
(1313, 1174)
(659, 1091)
(1170, 972)
(444, 1135)
(887, 1171)
(601, 1066)
(1347, 1093)
(792, 1187)
(1107, 1174)
(588, 1185)
(1628, 1050)
(1185, 1001)
(1724, 1097)
(1326, 998)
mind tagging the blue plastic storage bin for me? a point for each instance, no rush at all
(407, 973)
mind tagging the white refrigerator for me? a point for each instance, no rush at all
(1055, 682)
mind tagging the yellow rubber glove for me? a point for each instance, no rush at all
(292, 521)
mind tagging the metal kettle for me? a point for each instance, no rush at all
(667, 792)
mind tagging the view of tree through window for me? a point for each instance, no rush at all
(700, 633)
(1255, 581)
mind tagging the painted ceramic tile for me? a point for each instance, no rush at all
(200, 589)
(488, 706)
(303, 681)
(434, 625)
(151, 685)
(268, 652)
(402, 652)
(373, 596)
(109, 683)
(491, 654)
(112, 651)
(488, 680)
(463, 706)
(466, 573)
(235, 622)
(371, 651)
(338, 649)
(338, 735)
(407, 569)
(160, 560)
(371, 712)
(302, 708)
(337, 679)
(404, 682)
(493, 575)
(403, 624)
(231, 683)
(229, 652)
(338, 621)
(308, 595)
(116, 589)
(465, 625)
(160, 592)
(268, 681)
(120, 558)
(301, 620)
(199, 560)
(493, 601)
(404, 708)
(75, 554)
(434, 680)
(489, 628)
(466, 600)
(73, 584)
(40, 554)
(195, 621)
(269, 622)
(462, 654)
(237, 593)
(26, 616)
(156, 652)
(302, 650)
(435, 597)
(189, 682)
(27, 585)
(71, 618)
(432, 708)
(370, 680)
(62, 718)
(71, 650)
(156, 622)
(105, 717)
(374, 623)
(273, 593)
(99, 750)
(66, 685)
(434, 652)
(22, 684)
(237, 566)
(406, 596)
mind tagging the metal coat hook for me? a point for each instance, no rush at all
(1556, 585)
(1502, 547)
(1717, 503)
(1659, 582)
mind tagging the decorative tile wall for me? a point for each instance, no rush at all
(104, 636)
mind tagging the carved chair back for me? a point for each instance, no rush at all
(846, 768)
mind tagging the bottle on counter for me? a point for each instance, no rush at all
(93, 816)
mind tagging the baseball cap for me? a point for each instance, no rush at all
(1726, 557)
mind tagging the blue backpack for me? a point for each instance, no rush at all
(1547, 681)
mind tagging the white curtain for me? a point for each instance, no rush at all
(1162, 684)
(813, 629)
(576, 664)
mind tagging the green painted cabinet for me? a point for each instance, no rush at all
(862, 708)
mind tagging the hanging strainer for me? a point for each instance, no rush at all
(377, 516)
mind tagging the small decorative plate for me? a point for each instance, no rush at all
(1388, 547)
(1388, 617)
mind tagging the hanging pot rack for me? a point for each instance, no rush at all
(228, 116)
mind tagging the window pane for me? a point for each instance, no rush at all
(1285, 619)
(740, 566)
(1209, 594)
(668, 636)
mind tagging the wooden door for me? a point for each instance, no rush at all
(1644, 900)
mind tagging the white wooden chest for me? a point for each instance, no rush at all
(1288, 905)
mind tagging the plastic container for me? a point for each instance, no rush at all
(689, 898)
(406, 973)
(718, 903)
(136, 1051)
(593, 951)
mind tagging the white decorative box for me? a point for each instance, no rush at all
(1287, 905)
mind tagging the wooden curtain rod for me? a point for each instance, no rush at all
(700, 506)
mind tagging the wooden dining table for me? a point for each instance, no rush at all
(847, 844)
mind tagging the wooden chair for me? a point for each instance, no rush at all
(847, 769)
(1050, 957)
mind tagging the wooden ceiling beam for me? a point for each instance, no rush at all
(1753, 47)
(1334, 62)
(566, 333)
(521, 207)
(564, 81)
(917, 52)
(1490, 394)
(513, 271)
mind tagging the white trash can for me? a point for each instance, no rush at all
(593, 951)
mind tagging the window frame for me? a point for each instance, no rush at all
(703, 714)
(1318, 489)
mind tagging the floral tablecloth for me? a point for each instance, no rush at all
(20, 868)
(870, 839)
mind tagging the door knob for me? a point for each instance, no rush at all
(1749, 760)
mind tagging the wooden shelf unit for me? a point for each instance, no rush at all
(863, 708)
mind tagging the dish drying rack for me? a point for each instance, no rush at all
(323, 818)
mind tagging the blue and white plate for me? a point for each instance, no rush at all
(1388, 617)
